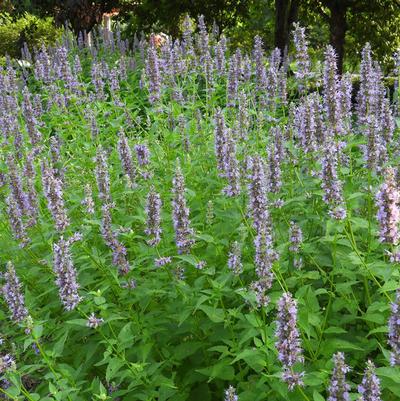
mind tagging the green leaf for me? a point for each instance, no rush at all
(112, 368)
(253, 357)
(214, 314)
(222, 370)
(317, 396)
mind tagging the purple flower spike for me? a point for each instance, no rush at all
(180, 214)
(387, 199)
(66, 273)
(339, 389)
(153, 220)
(288, 344)
(13, 295)
(369, 389)
(394, 331)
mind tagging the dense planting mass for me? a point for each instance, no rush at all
(181, 221)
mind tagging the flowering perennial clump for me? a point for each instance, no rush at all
(238, 212)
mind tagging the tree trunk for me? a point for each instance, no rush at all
(337, 28)
(285, 14)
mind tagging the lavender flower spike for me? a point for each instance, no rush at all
(288, 344)
(13, 295)
(369, 389)
(17, 225)
(125, 156)
(52, 187)
(88, 201)
(93, 322)
(65, 271)
(295, 237)
(235, 259)
(153, 209)
(339, 389)
(394, 331)
(230, 394)
(102, 175)
(180, 214)
(258, 193)
(302, 57)
(387, 199)
(142, 154)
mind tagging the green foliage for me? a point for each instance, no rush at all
(174, 338)
(27, 28)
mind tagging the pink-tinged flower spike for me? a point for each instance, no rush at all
(180, 214)
(339, 389)
(13, 295)
(370, 389)
(125, 155)
(102, 175)
(302, 58)
(52, 187)
(288, 344)
(230, 394)
(394, 331)
(258, 188)
(387, 199)
(66, 275)
(111, 240)
(153, 219)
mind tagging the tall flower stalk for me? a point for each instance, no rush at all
(180, 214)
(288, 344)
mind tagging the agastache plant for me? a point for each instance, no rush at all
(288, 344)
(52, 188)
(339, 389)
(125, 156)
(302, 58)
(12, 293)
(387, 200)
(370, 389)
(235, 259)
(66, 274)
(394, 331)
(180, 214)
(102, 175)
(258, 190)
(153, 218)
(230, 394)
(110, 237)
